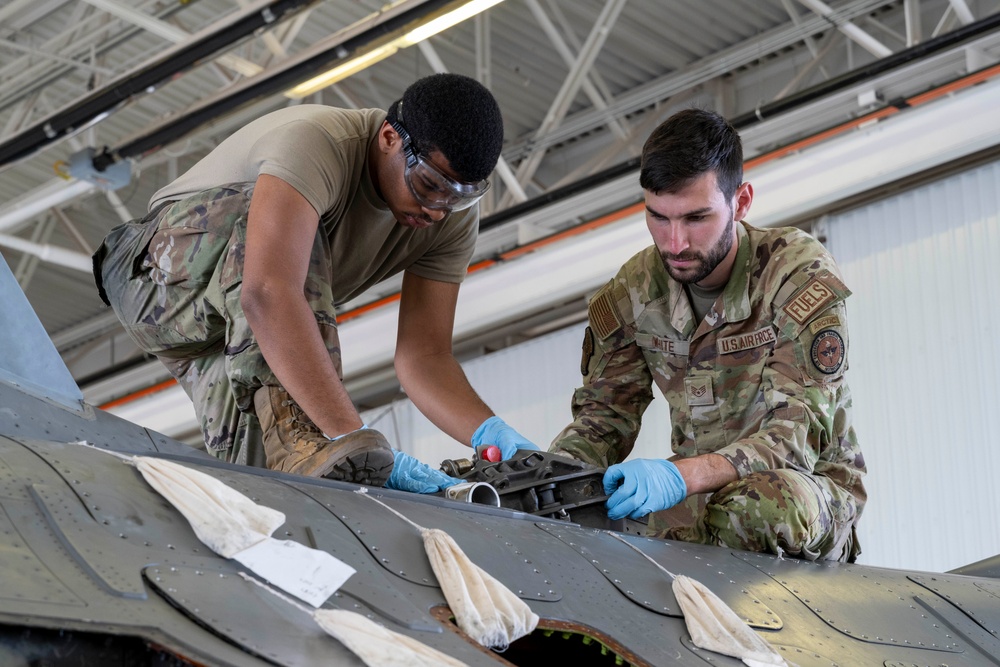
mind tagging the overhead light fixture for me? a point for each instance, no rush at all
(365, 60)
(340, 72)
(445, 21)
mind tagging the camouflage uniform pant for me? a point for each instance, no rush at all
(775, 511)
(174, 279)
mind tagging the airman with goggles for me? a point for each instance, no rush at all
(432, 188)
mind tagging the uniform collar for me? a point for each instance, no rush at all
(735, 297)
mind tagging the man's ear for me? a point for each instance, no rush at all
(387, 137)
(742, 199)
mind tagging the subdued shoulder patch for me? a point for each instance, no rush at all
(588, 351)
(827, 352)
(814, 296)
(604, 317)
(825, 322)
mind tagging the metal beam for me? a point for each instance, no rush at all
(588, 86)
(165, 66)
(962, 11)
(73, 231)
(25, 270)
(740, 55)
(809, 40)
(482, 36)
(831, 40)
(70, 259)
(911, 16)
(116, 203)
(36, 76)
(484, 71)
(571, 86)
(53, 57)
(432, 57)
(35, 202)
(13, 8)
(862, 38)
(170, 33)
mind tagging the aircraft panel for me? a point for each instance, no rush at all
(250, 617)
(31, 580)
(859, 597)
(978, 599)
(644, 583)
(398, 546)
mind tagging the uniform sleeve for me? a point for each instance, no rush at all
(617, 388)
(306, 157)
(807, 425)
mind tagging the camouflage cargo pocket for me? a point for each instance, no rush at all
(175, 302)
(192, 241)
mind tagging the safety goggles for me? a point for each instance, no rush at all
(432, 188)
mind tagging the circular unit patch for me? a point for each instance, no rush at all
(828, 351)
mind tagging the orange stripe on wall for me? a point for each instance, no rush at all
(166, 384)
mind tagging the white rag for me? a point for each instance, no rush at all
(484, 608)
(376, 644)
(714, 626)
(224, 519)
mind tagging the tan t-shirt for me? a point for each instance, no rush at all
(322, 152)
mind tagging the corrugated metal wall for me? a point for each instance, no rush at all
(925, 363)
(924, 372)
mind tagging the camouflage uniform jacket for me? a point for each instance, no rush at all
(759, 380)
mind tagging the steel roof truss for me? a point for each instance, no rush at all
(571, 86)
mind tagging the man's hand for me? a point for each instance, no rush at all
(495, 431)
(642, 486)
(409, 474)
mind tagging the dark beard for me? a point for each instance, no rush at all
(706, 263)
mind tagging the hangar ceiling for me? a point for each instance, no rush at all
(148, 87)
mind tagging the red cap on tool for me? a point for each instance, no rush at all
(492, 454)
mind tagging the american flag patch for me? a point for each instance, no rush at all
(603, 317)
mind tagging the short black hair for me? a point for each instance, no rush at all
(690, 143)
(457, 116)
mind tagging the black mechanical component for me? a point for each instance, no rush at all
(543, 484)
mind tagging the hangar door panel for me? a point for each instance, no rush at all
(924, 266)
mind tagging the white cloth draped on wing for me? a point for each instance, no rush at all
(484, 608)
(712, 623)
(224, 519)
(228, 522)
(377, 645)
(714, 626)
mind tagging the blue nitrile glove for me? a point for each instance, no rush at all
(642, 486)
(495, 431)
(409, 474)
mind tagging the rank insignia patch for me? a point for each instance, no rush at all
(828, 352)
(699, 390)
